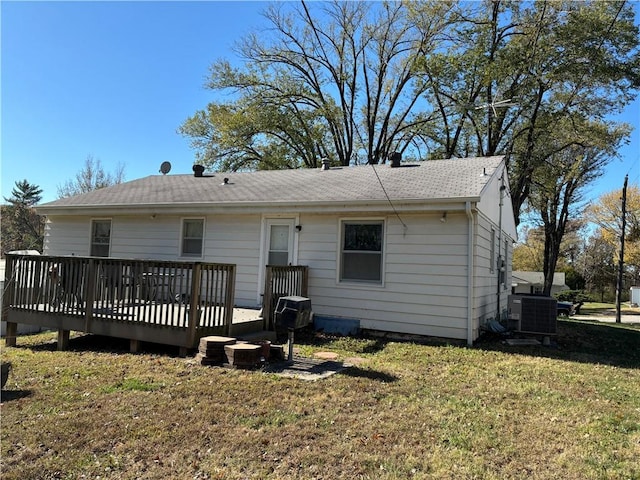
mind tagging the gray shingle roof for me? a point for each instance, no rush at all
(434, 180)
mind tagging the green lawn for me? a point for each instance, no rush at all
(407, 410)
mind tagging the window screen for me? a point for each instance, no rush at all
(361, 255)
(192, 236)
(100, 238)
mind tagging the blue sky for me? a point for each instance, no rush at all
(116, 79)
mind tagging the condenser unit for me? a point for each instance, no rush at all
(533, 314)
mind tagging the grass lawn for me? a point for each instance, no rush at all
(407, 410)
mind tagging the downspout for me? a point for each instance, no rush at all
(470, 269)
(500, 265)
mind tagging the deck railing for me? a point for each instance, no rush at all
(282, 281)
(168, 302)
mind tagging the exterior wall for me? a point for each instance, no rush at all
(489, 205)
(424, 273)
(226, 240)
(67, 236)
(486, 280)
(425, 265)
(424, 288)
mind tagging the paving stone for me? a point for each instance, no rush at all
(326, 355)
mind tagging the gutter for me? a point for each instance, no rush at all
(470, 269)
(408, 206)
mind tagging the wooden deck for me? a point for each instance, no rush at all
(172, 303)
(123, 323)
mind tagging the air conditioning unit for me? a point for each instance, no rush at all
(533, 314)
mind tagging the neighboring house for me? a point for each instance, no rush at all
(532, 283)
(418, 249)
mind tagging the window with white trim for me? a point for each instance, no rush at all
(361, 251)
(192, 237)
(100, 238)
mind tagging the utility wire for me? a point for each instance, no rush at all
(387, 195)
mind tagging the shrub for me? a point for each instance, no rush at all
(574, 296)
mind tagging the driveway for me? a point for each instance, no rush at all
(608, 317)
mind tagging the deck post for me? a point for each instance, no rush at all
(194, 305)
(267, 298)
(305, 282)
(7, 296)
(90, 289)
(11, 335)
(229, 299)
(134, 345)
(63, 339)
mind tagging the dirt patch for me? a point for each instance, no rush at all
(306, 368)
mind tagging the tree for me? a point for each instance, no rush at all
(528, 254)
(606, 213)
(598, 266)
(515, 73)
(22, 227)
(334, 79)
(91, 177)
(556, 190)
(533, 81)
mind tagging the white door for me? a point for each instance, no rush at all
(278, 247)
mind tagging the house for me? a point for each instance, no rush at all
(532, 283)
(417, 249)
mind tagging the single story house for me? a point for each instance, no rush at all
(415, 249)
(532, 283)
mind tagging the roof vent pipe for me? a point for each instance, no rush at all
(396, 158)
(325, 164)
(198, 170)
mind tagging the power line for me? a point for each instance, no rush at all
(387, 195)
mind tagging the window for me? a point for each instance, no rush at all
(361, 252)
(279, 244)
(100, 238)
(192, 236)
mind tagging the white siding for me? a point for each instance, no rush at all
(236, 240)
(425, 267)
(486, 281)
(226, 240)
(424, 288)
(67, 236)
